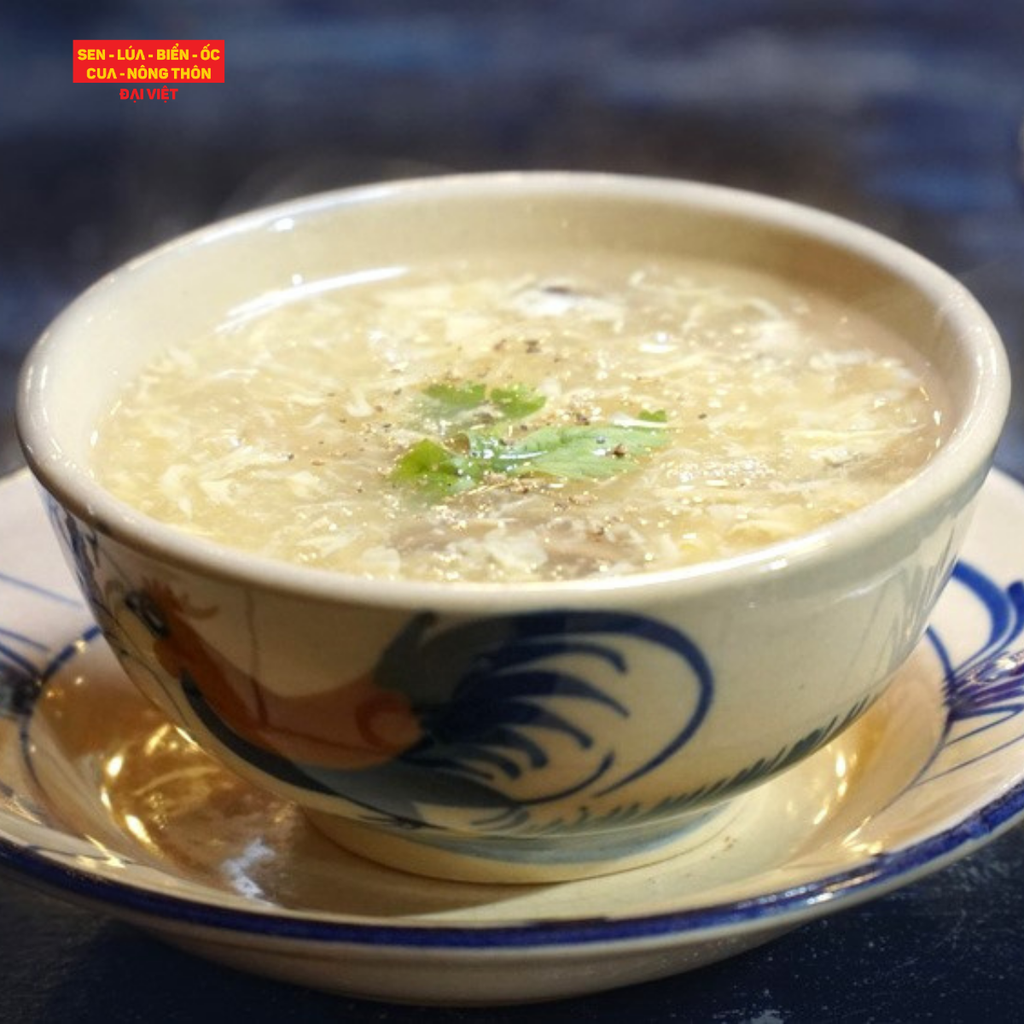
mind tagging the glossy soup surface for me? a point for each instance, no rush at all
(516, 422)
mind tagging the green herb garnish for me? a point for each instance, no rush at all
(479, 454)
(469, 404)
(591, 452)
(437, 471)
(452, 399)
(516, 402)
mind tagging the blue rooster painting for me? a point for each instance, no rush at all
(463, 715)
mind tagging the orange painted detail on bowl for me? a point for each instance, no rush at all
(354, 724)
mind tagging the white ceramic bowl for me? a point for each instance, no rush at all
(672, 691)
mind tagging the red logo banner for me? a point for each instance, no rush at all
(148, 61)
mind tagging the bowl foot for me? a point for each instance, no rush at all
(532, 860)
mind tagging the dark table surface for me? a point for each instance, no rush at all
(905, 115)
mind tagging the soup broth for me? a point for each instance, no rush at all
(479, 421)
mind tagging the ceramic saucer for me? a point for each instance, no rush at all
(103, 802)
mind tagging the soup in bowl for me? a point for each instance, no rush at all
(513, 524)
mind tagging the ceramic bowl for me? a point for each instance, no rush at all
(503, 732)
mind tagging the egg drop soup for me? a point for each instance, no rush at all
(504, 421)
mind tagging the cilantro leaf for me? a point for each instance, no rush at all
(659, 416)
(436, 471)
(568, 452)
(471, 404)
(516, 402)
(474, 448)
(451, 399)
(592, 452)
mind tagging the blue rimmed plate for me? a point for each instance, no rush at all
(105, 803)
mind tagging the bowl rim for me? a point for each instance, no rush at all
(961, 462)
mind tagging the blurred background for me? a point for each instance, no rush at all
(905, 115)
(902, 114)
